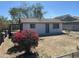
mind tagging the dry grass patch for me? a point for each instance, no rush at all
(50, 46)
(53, 46)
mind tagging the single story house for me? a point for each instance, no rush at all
(42, 26)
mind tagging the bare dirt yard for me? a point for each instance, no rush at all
(49, 46)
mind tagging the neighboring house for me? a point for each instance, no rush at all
(72, 26)
(43, 26)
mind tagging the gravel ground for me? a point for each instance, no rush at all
(55, 46)
(49, 46)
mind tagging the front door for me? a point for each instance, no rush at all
(47, 28)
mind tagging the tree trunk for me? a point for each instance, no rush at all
(20, 24)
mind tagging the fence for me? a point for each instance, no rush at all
(74, 26)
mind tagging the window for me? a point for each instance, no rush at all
(32, 25)
(55, 25)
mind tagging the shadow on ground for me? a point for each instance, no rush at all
(15, 49)
(54, 34)
(30, 55)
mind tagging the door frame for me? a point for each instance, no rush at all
(47, 28)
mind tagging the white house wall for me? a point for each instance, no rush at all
(40, 28)
(26, 26)
(52, 30)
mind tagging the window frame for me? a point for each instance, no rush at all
(56, 26)
(32, 25)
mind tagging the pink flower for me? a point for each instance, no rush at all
(25, 35)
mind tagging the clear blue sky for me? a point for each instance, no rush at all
(52, 8)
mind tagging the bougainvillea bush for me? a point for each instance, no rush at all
(26, 39)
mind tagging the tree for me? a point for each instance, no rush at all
(33, 10)
(38, 11)
(27, 11)
(4, 22)
(15, 13)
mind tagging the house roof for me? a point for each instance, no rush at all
(77, 21)
(35, 20)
